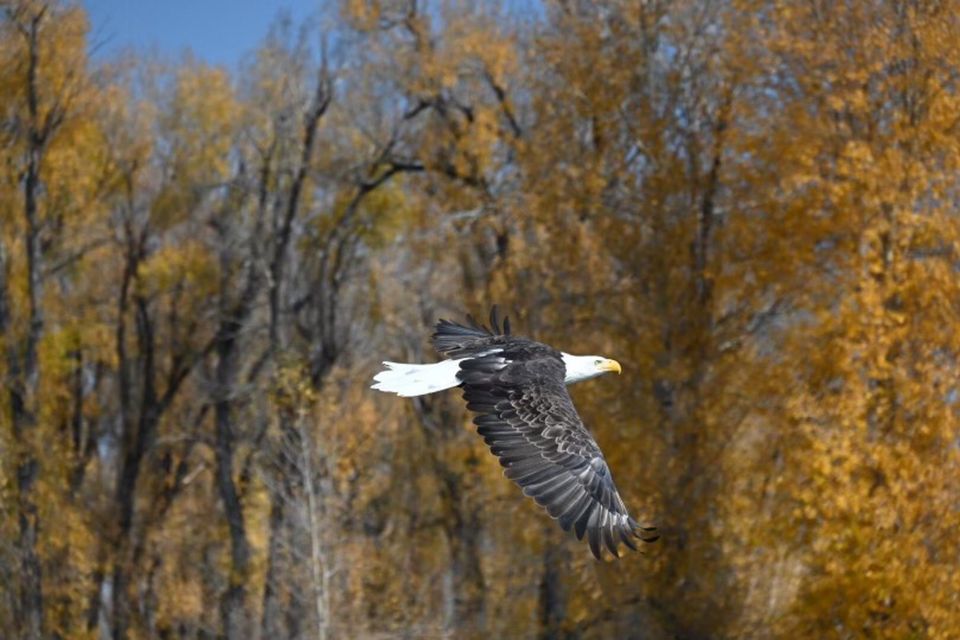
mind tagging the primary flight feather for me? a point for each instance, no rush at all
(517, 388)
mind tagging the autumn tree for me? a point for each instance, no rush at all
(868, 165)
(49, 190)
(750, 204)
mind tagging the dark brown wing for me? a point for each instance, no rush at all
(529, 421)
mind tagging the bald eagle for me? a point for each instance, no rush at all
(516, 386)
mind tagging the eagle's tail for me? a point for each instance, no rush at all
(409, 380)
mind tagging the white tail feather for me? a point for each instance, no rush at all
(407, 380)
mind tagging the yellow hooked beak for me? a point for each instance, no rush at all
(609, 365)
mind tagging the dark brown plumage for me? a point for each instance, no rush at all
(525, 415)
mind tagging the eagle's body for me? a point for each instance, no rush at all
(517, 388)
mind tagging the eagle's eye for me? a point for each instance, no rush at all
(597, 361)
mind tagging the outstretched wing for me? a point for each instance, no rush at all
(529, 421)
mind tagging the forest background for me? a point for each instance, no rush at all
(751, 204)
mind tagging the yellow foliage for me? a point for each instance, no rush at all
(188, 264)
(751, 205)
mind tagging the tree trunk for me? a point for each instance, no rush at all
(552, 595)
(271, 606)
(466, 615)
(24, 370)
(319, 569)
(232, 605)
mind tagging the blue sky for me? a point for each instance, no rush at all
(217, 31)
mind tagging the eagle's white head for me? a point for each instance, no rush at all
(586, 367)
